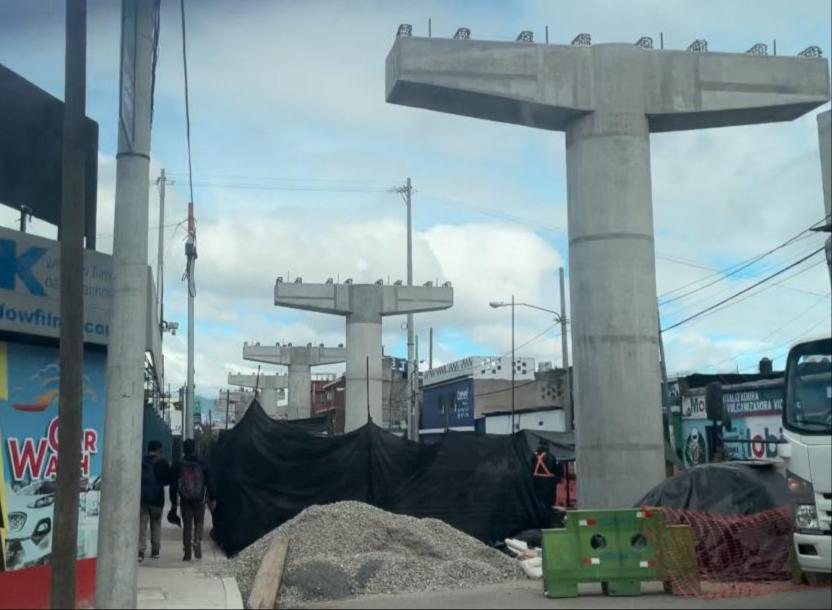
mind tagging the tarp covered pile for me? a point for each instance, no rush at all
(264, 473)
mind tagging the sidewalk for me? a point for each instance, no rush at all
(169, 582)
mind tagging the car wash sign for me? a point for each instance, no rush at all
(30, 287)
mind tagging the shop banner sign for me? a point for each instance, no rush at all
(29, 384)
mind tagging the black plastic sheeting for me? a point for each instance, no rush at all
(264, 473)
(732, 488)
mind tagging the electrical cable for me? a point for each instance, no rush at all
(695, 303)
(743, 291)
(726, 273)
(772, 333)
(730, 269)
(189, 267)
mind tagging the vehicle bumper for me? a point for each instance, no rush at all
(821, 558)
(23, 552)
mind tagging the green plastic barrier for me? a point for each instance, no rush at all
(618, 548)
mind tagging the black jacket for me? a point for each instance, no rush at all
(163, 475)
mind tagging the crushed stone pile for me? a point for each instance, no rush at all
(348, 548)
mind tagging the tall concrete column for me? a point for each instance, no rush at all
(364, 386)
(613, 340)
(300, 389)
(608, 99)
(363, 306)
(300, 360)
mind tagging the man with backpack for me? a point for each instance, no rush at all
(189, 487)
(156, 473)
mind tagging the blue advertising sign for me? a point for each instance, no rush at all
(29, 381)
(448, 406)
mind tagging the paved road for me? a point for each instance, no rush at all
(529, 595)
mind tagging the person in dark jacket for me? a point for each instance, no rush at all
(189, 490)
(545, 474)
(156, 473)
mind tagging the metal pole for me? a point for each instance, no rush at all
(430, 350)
(430, 28)
(65, 526)
(25, 215)
(118, 535)
(661, 40)
(411, 384)
(513, 364)
(227, 402)
(190, 253)
(416, 387)
(369, 417)
(564, 346)
(547, 34)
(160, 265)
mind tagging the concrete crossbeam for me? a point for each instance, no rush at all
(549, 86)
(363, 306)
(300, 360)
(272, 388)
(607, 98)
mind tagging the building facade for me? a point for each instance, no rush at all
(475, 394)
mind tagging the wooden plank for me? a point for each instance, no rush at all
(266, 586)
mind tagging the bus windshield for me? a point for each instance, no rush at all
(808, 407)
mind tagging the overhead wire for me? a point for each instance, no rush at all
(189, 266)
(693, 304)
(771, 334)
(743, 291)
(730, 270)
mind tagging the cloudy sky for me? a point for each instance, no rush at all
(295, 155)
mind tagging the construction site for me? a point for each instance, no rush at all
(577, 354)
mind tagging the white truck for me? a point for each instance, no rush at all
(807, 423)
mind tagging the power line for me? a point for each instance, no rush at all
(791, 342)
(695, 303)
(729, 272)
(532, 340)
(772, 333)
(743, 291)
(774, 285)
(735, 268)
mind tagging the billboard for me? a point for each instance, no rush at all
(449, 406)
(30, 287)
(29, 421)
(759, 436)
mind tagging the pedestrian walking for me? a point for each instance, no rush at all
(156, 474)
(189, 490)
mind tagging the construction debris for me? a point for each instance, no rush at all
(349, 548)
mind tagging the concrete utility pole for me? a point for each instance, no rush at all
(412, 418)
(70, 403)
(564, 348)
(300, 361)
(825, 141)
(430, 349)
(607, 98)
(118, 536)
(227, 402)
(160, 258)
(190, 254)
(271, 386)
(413, 425)
(363, 305)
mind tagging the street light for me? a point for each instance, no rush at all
(560, 318)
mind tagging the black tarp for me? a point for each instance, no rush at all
(732, 488)
(263, 473)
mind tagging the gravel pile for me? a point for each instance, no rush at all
(349, 548)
